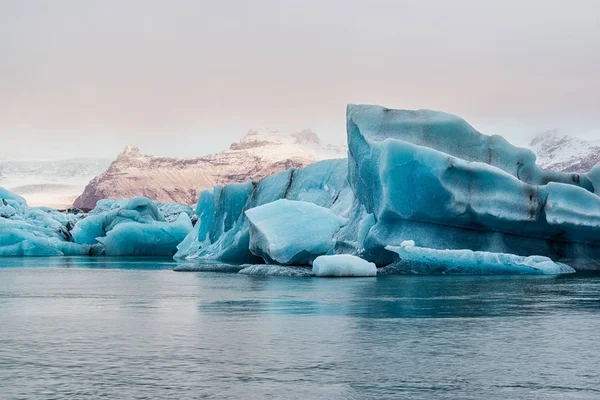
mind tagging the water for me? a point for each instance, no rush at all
(132, 329)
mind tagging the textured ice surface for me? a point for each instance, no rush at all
(341, 265)
(172, 211)
(132, 227)
(431, 177)
(124, 227)
(419, 260)
(292, 232)
(222, 231)
(146, 239)
(275, 270)
(421, 175)
(35, 231)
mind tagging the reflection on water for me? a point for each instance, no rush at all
(132, 328)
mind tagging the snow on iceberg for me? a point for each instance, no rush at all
(343, 265)
(292, 232)
(419, 260)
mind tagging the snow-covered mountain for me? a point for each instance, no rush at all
(256, 155)
(565, 153)
(50, 183)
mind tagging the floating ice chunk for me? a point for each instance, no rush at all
(146, 239)
(19, 239)
(223, 233)
(292, 232)
(113, 213)
(420, 260)
(343, 265)
(276, 270)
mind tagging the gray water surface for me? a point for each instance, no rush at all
(133, 329)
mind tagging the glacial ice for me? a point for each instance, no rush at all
(421, 175)
(132, 227)
(431, 177)
(35, 231)
(146, 239)
(116, 227)
(410, 175)
(222, 232)
(419, 260)
(343, 265)
(291, 232)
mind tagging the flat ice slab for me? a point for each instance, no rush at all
(342, 265)
(421, 260)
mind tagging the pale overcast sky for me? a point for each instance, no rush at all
(188, 77)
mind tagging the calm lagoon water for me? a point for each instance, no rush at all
(133, 329)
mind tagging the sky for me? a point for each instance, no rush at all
(186, 78)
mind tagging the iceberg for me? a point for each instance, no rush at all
(343, 265)
(146, 239)
(132, 227)
(116, 227)
(424, 261)
(291, 232)
(222, 232)
(35, 231)
(430, 176)
(422, 175)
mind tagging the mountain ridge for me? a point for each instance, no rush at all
(259, 153)
(565, 153)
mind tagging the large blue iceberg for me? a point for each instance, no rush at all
(432, 178)
(418, 175)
